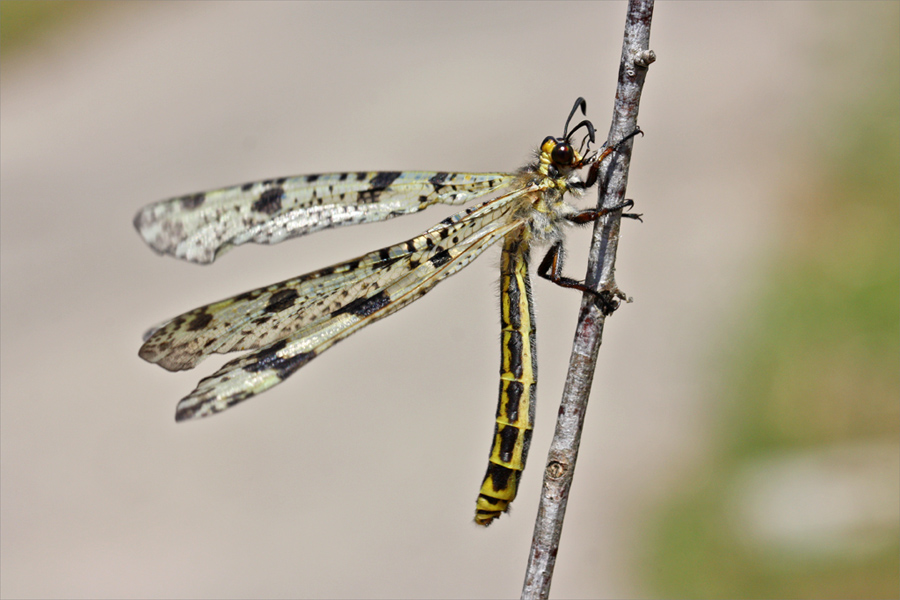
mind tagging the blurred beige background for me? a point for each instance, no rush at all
(357, 478)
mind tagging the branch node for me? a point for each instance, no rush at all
(555, 470)
(644, 58)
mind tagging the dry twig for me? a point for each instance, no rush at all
(558, 473)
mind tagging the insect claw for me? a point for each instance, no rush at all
(607, 301)
(637, 130)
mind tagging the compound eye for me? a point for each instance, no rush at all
(563, 155)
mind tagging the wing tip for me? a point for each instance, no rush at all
(184, 414)
(189, 408)
(138, 220)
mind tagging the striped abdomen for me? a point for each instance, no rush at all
(518, 382)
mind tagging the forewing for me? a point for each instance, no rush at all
(262, 316)
(200, 227)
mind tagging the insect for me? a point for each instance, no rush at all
(287, 324)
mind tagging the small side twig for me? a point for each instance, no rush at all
(563, 453)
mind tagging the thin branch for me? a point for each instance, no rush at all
(558, 473)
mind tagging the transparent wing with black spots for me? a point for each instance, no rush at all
(201, 227)
(262, 316)
(257, 317)
(437, 257)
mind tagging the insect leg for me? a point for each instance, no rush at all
(592, 214)
(518, 383)
(606, 151)
(551, 270)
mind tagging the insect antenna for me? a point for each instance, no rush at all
(590, 135)
(583, 104)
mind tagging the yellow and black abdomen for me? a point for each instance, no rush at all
(518, 382)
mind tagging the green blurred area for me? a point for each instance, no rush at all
(23, 22)
(799, 498)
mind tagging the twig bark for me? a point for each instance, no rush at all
(558, 473)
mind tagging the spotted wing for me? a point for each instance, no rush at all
(431, 257)
(200, 227)
(264, 315)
